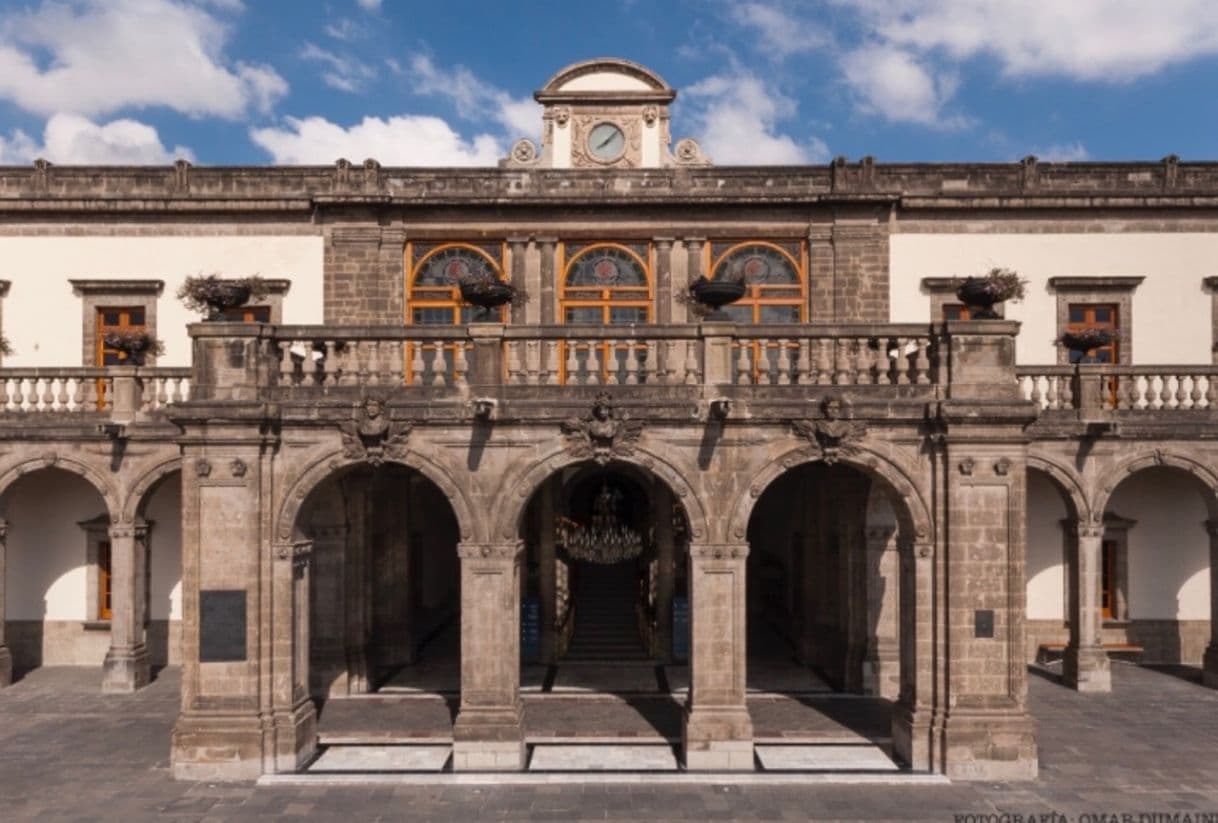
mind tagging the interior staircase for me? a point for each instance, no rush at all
(605, 626)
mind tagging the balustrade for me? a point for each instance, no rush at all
(1121, 388)
(86, 389)
(836, 356)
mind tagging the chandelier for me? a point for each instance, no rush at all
(606, 539)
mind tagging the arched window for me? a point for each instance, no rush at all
(776, 286)
(433, 295)
(606, 284)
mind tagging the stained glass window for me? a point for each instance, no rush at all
(434, 295)
(776, 289)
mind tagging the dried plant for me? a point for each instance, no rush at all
(211, 294)
(136, 344)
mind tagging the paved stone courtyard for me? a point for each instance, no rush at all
(67, 752)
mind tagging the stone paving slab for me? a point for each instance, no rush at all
(623, 679)
(68, 752)
(601, 758)
(829, 758)
(381, 759)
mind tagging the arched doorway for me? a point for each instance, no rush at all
(384, 595)
(57, 568)
(604, 608)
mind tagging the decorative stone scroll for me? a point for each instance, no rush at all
(834, 435)
(604, 434)
(371, 436)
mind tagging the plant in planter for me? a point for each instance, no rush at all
(135, 344)
(6, 348)
(1085, 341)
(488, 293)
(997, 286)
(212, 295)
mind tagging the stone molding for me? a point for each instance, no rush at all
(490, 551)
(718, 551)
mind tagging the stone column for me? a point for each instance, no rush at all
(127, 666)
(917, 728)
(1209, 674)
(356, 582)
(6, 657)
(881, 660)
(548, 247)
(290, 738)
(489, 731)
(664, 537)
(546, 572)
(664, 290)
(1085, 664)
(718, 734)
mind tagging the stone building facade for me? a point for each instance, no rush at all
(303, 502)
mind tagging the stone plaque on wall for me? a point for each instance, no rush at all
(221, 625)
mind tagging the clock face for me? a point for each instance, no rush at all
(606, 142)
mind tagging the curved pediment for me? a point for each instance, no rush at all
(606, 77)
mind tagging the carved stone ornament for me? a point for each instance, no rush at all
(651, 114)
(834, 435)
(562, 115)
(524, 151)
(371, 436)
(238, 467)
(967, 465)
(604, 434)
(202, 467)
(689, 153)
(1002, 467)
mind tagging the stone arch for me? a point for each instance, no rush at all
(519, 488)
(1203, 473)
(913, 517)
(92, 475)
(1067, 481)
(135, 498)
(334, 461)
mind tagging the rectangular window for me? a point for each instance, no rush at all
(103, 580)
(1082, 316)
(114, 319)
(956, 311)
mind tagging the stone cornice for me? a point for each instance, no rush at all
(118, 287)
(1006, 186)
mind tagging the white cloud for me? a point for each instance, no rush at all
(781, 33)
(474, 99)
(342, 72)
(98, 56)
(1063, 152)
(345, 29)
(736, 117)
(370, 5)
(896, 85)
(1092, 40)
(406, 140)
(72, 139)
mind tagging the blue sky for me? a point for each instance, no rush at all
(759, 81)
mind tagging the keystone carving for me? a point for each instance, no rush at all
(834, 435)
(371, 436)
(604, 434)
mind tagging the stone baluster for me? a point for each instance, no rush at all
(1085, 664)
(1195, 395)
(650, 368)
(691, 363)
(803, 362)
(1065, 391)
(61, 397)
(397, 363)
(48, 394)
(373, 365)
(784, 362)
(631, 364)
(744, 363)
(329, 365)
(862, 362)
(572, 369)
(417, 366)
(922, 362)
(532, 359)
(515, 366)
(78, 394)
(460, 364)
(1211, 391)
(127, 663)
(440, 364)
(549, 366)
(287, 365)
(594, 363)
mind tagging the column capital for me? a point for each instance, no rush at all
(694, 242)
(137, 530)
(1092, 529)
(510, 550)
(518, 239)
(719, 551)
(297, 552)
(663, 242)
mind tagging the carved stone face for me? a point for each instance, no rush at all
(833, 408)
(372, 408)
(601, 411)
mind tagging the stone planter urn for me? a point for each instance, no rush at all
(135, 345)
(715, 294)
(486, 295)
(213, 295)
(1086, 341)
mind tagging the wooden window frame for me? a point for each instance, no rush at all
(271, 303)
(1117, 291)
(753, 293)
(97, 294)
(97, 535)
(942, 294)
(1091, 323)
(605, 302)
(1116, 535)
(452, 302)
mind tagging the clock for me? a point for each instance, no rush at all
(606, 142)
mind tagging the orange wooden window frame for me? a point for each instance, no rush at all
(1108, 588)
(124, 322)
(247, 314)
(609, 298)
(451, 299)
(956, 311)
(1089, 322)
(755, 293)
(103, 580)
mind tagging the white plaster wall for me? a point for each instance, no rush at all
(164, 509)
(560, 146)
(42, 318)
(1046, 549)
(47, 574)
(1168, 548)
(1171, 297)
